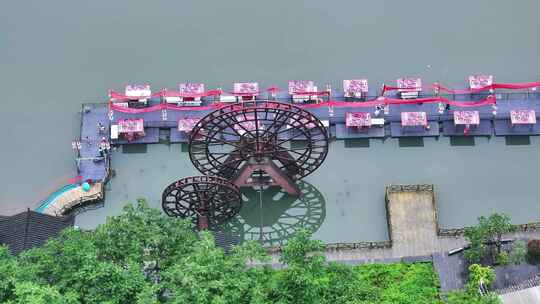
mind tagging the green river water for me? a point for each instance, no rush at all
(56, 55)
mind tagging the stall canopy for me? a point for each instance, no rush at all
(191, 88)
(409, 84)
(523, 117)
(409, 119)
(246, 124)
(355, 87)
(138, 91)
(132, 92)
(358, 119)
(480, 81)
(466, 118)
(131, 126)
(301, 87)
(246, 88)
(187, 124)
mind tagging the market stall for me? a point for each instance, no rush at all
(246, 90)
(305, 91)
(131, 129)
(409, 87)
(355, 88)
(467, 119)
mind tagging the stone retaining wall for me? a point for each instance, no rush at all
(458, 232)
(342, 246)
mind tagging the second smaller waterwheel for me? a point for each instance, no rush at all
(207, 200)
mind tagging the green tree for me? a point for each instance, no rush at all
(488, 230)
(209, 276)
(8, 269)
(144, 236)
(31, 293)
(477, 274)
(477, 238)
(303, 278)
(461, 297)
(71, 263)
(142, 256)
(480, 275)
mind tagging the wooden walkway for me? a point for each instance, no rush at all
(90, 164)
(74, 198)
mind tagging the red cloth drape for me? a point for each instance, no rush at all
(332, 103)
(161, 106)
(164, 93)
(508, 86)
(167, 93)
(391, 101)
(495, 86)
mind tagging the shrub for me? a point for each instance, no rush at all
(471, 295)
(517, 256)
(477, 274)
(502, 258)
(533, 251)
(462, 297)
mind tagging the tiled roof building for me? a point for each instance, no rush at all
(30, 229)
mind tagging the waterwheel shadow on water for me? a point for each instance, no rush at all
(272, 216)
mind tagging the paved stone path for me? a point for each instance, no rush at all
(525, 296)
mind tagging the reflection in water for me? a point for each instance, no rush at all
(272, 216)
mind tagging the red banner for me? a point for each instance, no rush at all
(391, 101)
(332, 103)
(495, 86)
(167, 93)
(163, 93)
(162, 106)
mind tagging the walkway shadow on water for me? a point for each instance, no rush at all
(274, 217)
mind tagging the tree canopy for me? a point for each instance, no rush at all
(142, 256)
(489, 231)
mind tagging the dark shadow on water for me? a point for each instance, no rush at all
(462, 141)
(138, 148)
(184, 147)
(279, 216)
(299, 144)
(520, 140)
(405, 142)
(357, 143)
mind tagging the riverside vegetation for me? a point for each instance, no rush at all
(142, 256)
